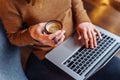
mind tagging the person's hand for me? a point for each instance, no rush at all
(88, 32)
(37, 32)
(58, 36)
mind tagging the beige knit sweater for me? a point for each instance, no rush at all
(17, 16)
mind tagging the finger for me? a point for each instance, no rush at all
(79, 35)
(85, 38)
(50, 43)
(46, 41)
(41, 28)
(90, 39)
(61, 40)
(42, 24)
(98, 33)
(94, 39)
(58, 37)
(53, 35)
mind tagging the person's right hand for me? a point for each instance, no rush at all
(37, 33)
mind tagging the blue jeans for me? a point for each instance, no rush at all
(44, 70)
(110, 72)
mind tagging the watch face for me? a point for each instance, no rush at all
(53, 26)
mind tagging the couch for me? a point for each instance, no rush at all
(10, 63)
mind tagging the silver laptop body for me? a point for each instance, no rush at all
(63, 56)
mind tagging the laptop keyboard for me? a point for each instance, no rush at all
(84, 58)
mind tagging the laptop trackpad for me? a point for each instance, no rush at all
(72, 44)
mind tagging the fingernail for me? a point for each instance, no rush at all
(79, 38)
(63, 31)
(91, 46)
(59, 31)
(96, 45)
(86, 46)
(100, 37)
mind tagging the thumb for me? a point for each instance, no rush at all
(41, 27)
(79, 35)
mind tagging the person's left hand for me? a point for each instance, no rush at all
(88, 32)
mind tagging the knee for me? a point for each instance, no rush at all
(112, 69)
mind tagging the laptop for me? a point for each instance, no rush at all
(79, 62)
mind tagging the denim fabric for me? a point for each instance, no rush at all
(10, 64)
(44, 70)
(110, 72)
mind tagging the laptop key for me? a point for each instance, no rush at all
(84, 58)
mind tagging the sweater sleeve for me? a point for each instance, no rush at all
(12, 22)
(79, 12)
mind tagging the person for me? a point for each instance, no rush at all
(24, 22)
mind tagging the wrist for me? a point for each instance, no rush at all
(84, 23)
(31, 40)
